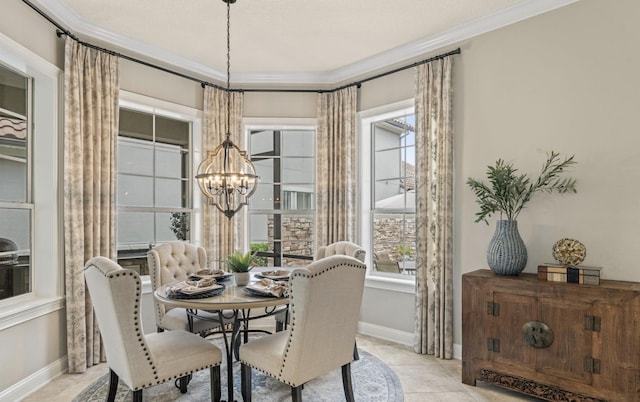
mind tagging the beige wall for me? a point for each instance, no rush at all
(564, 81)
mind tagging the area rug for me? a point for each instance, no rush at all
(373, 381)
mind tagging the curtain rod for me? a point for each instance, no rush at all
(62, 31)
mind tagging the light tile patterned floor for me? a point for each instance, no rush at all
(423, 378)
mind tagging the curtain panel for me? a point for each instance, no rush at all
(336, 167)
(91, 88)
(221, 235)
(434, 189)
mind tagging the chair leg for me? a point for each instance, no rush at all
(245, 382)
(356, 356)
(113, 386)
(216, 393)
(137, 396)
(183, 382)
(296, 393)
(346, 382)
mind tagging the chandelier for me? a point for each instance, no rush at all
(227, 176)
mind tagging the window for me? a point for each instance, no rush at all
(16, 204)
(390, 183)
(154, 186)
(31, 277)
(281, 212)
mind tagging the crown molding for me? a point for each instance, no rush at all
(135, 48)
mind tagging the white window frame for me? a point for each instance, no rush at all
(365, 119)
(275, 123)
(47, 267)
(147, 104)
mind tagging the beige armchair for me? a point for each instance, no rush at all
(325, 299)
(172, 262)
(337, 248)
(139, 360)
(342, 248)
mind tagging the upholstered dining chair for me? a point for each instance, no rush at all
(142, 361)
(325, 300)
(176, 261)
(342, 248)
(338, 248)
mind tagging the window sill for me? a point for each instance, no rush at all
(28, 309)
(391, 283)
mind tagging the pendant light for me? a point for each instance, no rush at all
(227, 176)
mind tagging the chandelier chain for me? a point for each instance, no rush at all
(228, 69)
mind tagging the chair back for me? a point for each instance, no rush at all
(342, 248)
(116, 300)
(325, 299)
(172, 262)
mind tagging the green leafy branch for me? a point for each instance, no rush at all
(508, 192)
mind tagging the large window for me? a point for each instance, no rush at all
(16, 204)
(281, 212)
(392, 211)
(154, 186)
(31, 266)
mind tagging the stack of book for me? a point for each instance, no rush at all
(569, 274)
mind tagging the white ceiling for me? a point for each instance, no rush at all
(285, 41)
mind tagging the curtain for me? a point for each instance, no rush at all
(221, 235)
(336, 167)
(91, 86)
(434, 186)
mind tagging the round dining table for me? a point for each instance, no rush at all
(233, 305)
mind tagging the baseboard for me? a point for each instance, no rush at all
(394, 335)
(389, 334)
(35, 381)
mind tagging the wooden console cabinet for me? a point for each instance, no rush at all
(556, 341)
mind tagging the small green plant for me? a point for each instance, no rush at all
(508, 192)
(241, 262)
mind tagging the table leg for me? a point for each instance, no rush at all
(228, 345)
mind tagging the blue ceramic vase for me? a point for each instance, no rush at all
(507, 254)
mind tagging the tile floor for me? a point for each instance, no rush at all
(423, 378)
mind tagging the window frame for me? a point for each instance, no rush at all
(45, 187)
(278, 124)
(146, 104)
(365, 118)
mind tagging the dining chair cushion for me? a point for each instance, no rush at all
(180, 351)
(266, 351)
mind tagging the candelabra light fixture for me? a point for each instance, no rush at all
(227, 176)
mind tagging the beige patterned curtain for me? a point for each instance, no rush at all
(434, 186)
(91, 85)
(336, 167)
(221, 235)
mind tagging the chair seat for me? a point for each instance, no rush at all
(265, 352)
(176, 353)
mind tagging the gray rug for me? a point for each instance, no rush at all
(373, 381)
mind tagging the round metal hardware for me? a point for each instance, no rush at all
(537, 334)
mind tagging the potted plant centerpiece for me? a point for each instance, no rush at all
(240, 264)
(507, 193)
